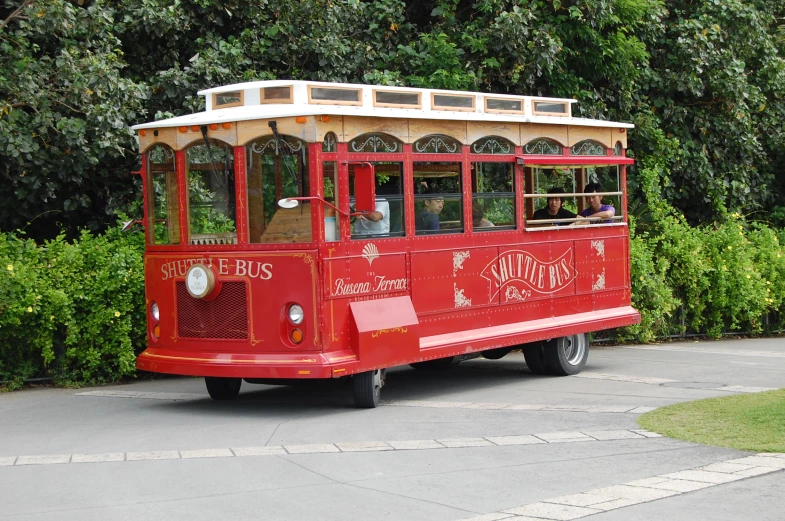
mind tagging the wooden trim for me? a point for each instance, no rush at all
(454, 109)
(288, 101)
(522, 101)
(312, 101)
(396, 105)
(566, 114)
(216, 106)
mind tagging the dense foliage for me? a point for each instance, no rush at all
(74, 75)
(71, 310)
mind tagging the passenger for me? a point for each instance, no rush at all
(478, 217)
(428, 218)
(554, 208)
(376, 222)
(596, 208)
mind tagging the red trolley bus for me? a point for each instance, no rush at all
(320, 230)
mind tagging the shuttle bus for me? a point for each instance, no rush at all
(305, 230)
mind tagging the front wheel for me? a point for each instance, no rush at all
(367, 388)
(567, 355)
(223, 388)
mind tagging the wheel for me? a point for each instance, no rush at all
(440, 364)
(567, 355)
(367, 388)
(496, 354)
(223, 388)
(535, 357)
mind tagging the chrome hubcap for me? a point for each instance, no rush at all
(574, 347)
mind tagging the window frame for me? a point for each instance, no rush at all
(565, 104)
(217, 105)
(476, 159)
(383, 104)
(312, 101)
(522, 101)
(434, 106)
(233, 241)
(171, 176)
(284, 101)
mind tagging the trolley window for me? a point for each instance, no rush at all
(275, 170)
(162, 197)
(211, 195)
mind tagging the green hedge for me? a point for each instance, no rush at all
(71, 311)
(75, 311)
(724, 277)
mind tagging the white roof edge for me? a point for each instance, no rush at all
(254, 112)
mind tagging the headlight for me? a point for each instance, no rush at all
(295, 314)
(154, 311)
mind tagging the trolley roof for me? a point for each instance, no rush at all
(269, 99)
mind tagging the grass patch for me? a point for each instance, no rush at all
(753, 422)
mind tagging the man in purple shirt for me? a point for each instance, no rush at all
(596, 208)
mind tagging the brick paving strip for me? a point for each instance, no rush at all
(324, 448)
(576, 506)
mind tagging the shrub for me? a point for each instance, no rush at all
(72, 311)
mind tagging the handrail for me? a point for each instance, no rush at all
(317, 198)
(577, 194)
(574, 219)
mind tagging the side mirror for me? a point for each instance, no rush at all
(364, 188)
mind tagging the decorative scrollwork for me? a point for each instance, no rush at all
(492, 145)
(436, 145)
(543, 146)
(273, 145)
(329, 143)
(374, 143)
(588, 147)
(160, 154)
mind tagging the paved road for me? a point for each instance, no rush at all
(485, 441)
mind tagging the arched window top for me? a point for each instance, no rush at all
(618, 150)
(160, 154)
(588, 147)
(375, 142)
(330, 143)
(493, 145)
(437, 144)
(287, 145)
(543, 146)
(197, 152)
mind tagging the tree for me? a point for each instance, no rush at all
(65, 105)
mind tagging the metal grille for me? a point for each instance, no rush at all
(224, 317)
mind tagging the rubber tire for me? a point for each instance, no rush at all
(496, 354)
(440, 364)
(534, 355)
(558, 350)
(223, 388)
(367, 389)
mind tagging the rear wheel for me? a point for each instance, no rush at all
(567, 355)
(535, 357)
(367, 388)
(223, 388)
(440, 364)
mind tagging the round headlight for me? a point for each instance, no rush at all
(295, 314)
(154, 311)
